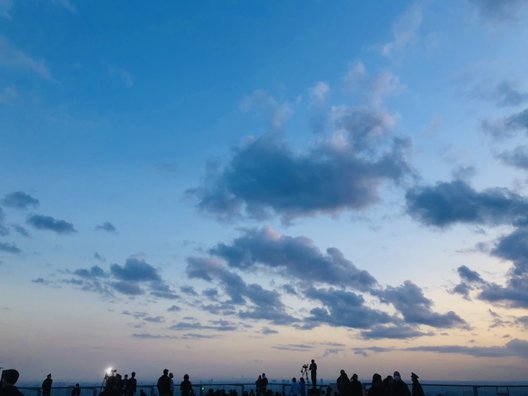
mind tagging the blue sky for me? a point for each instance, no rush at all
(264, 183)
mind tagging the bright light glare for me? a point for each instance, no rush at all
(109, 371)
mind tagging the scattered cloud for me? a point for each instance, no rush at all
(268, 331)
(355, 73)
(517, 157)
(342, 308)
(260, 303)
(3, 229)
(20, 200)
(498, 11)
(136, 277)
(189, 290)
(508, 126)
(265, 176)
(404, 31)
(468, 274)
(294, 347)
(507, 94)
(402, 331)
(447, 203)
(128, 288)
(13, 58)
(51, 224)
(123, 75)
(319, 93)
(518, 348)
(276, 113)
(514, 348)
(296, 257)
(410, 301)
(135, 270)
(93, 272)
(106, 226)
(148, 336)
(20, 230)
(9, 248)
(221, 325)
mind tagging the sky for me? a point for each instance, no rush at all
(225, 188)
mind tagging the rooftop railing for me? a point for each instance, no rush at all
(282, 389)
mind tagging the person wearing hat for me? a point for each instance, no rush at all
(416, 386)
(7, 383)
(398, 387)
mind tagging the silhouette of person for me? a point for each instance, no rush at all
(302, 385)
(46, 386)
(377, 388)
(417, 389)
(258, 385)
(295, 389)
(343, 384)
(7, 383)
(171, 376)
(186, 386)
(264, 383)
(356, 387)
(76, 391)
(313, 374)
(387, 384)
(131, 387)
(164, 384)
(124, 385)
(398, 387)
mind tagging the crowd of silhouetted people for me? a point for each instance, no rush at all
(116, 385)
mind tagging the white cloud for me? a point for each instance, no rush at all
(355, 73)
(276, 112)
(123, 75)
(13, 58)
(319, 92)
(384, 85)
(404, 31)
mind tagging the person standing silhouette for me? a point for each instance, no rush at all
(313, 374)
(46, 386)
(164, 384)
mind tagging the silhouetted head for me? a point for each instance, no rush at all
(313, 361)
(354, 376)
(397, 375)
(165, 371)
(10, 377)
(171, 375)
(186, 377)
(342, 372)
(376, 379)
(294, 379)
(133, 374)
(48, 376)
